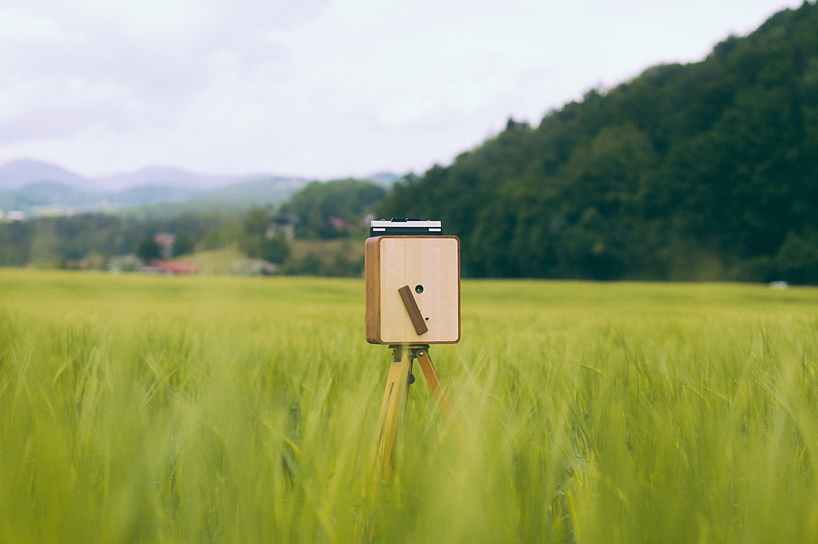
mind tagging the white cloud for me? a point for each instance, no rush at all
(317, 87)
(19, 26)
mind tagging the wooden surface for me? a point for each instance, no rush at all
(392, 408)
(372, 281)
(432, 262)
(412, 309)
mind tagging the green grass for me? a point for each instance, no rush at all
(219, 409)
(214, 261)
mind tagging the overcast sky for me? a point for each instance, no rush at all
(318, 88)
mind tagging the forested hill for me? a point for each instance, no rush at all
(700, 171)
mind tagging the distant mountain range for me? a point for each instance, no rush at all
(38, 188)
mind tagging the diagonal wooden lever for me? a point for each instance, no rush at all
(412, 307)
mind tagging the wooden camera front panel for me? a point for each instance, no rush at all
(412, 284)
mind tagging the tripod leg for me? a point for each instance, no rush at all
(393, 406)
(437, 391)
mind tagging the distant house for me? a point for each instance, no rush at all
(282, 224)
(341, 225)
(170, 268)
(165, 241)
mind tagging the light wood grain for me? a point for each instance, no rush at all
(392, 408)
(432, 262)
(372, 282)
(412, 309)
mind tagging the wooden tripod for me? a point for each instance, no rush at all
(394, 401)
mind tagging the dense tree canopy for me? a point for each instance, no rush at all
(702, 171)
(332, 208)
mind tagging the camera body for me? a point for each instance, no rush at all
(412, 283)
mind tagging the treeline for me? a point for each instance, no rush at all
(320, 211)
(699, 171)
(56, 241)
(334, 209)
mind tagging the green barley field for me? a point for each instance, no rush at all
(219, 409)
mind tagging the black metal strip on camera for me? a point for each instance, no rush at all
(404, 227)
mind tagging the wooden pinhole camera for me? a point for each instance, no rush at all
(412, 283)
